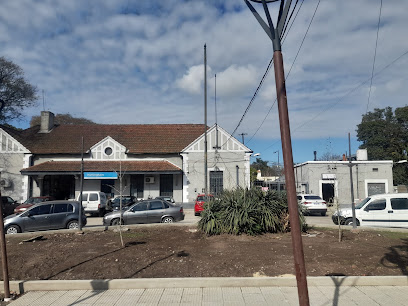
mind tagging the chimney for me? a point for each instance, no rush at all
(344, 157)
(315, 155)
(47, 122)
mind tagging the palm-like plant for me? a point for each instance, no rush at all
(251, 212)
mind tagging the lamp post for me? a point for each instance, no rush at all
(274, 34)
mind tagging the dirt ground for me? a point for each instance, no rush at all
(180, 251)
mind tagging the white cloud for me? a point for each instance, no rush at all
(191, 81)
(142, 61)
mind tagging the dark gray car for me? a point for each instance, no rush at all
(150, 211)
(45, 216)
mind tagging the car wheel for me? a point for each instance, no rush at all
(167, 220)
(116, 222)
(349, 221)
(73, 224)
(323, 213)
(13, 229)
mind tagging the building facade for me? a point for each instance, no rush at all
(141, 160)
(331, 179)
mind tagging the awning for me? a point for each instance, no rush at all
(74, 167)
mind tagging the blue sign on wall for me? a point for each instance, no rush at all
(100, 175)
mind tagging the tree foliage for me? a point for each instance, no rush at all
(384, 134)
(62, 119)
(266, 170)
(250, 212)
(328, 156)
(16, 93)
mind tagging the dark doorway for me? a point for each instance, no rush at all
(137, 185)
(61, 187)
(328, 192)
(166, 185)
(107, 187)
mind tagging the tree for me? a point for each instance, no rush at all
(16, 93)
(62, 119)
(266, 170)
(328, 156)
(385, 136)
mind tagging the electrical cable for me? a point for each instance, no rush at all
(263, 78)
(375, 55)
(344, 96)
(291, 67)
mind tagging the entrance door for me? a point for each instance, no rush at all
(107, 187)
(216, 182)
(137, 185)
(166, 185)
(328, 192)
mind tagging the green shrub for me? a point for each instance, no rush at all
(250, 212)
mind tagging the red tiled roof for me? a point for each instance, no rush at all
(137, 138)
(90, 166)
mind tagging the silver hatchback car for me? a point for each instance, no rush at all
(149, 211)
(45, 216)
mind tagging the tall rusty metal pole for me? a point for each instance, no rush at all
(4, 263)
(274, 34)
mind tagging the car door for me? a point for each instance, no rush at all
(136, 214)
(155, 212)
(37, 218)
(375, 213)
(399, 212)
(59, 215)
(85, 196)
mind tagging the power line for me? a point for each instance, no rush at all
(264, 76)
(375, 55)
(348, 93)
(293, 63)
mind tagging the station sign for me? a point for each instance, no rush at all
(100, 175)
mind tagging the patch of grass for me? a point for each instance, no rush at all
(393, 235)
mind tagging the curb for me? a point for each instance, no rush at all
(205, 282)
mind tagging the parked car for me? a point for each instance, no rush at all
(166, 198)
(199, 203)
(312, 203)
(94, 202)
(8, 205)
(126, 202)
(149, 211)
(45, 216)
(385, 210)
(32, 201)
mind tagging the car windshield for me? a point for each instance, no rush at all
(313, 197)
(204, 198)
(33, 200)
(362, 203)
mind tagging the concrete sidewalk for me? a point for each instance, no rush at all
(386, 290)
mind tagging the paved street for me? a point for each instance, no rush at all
(191, 219)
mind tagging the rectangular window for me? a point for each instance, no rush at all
(375, 188)
(216, 182)
(375, 169)
(377, 205)
(156, 205)
(400, 203)
(166, 185)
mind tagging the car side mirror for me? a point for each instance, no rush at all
(366, 208)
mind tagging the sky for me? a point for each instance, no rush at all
(142, 62)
